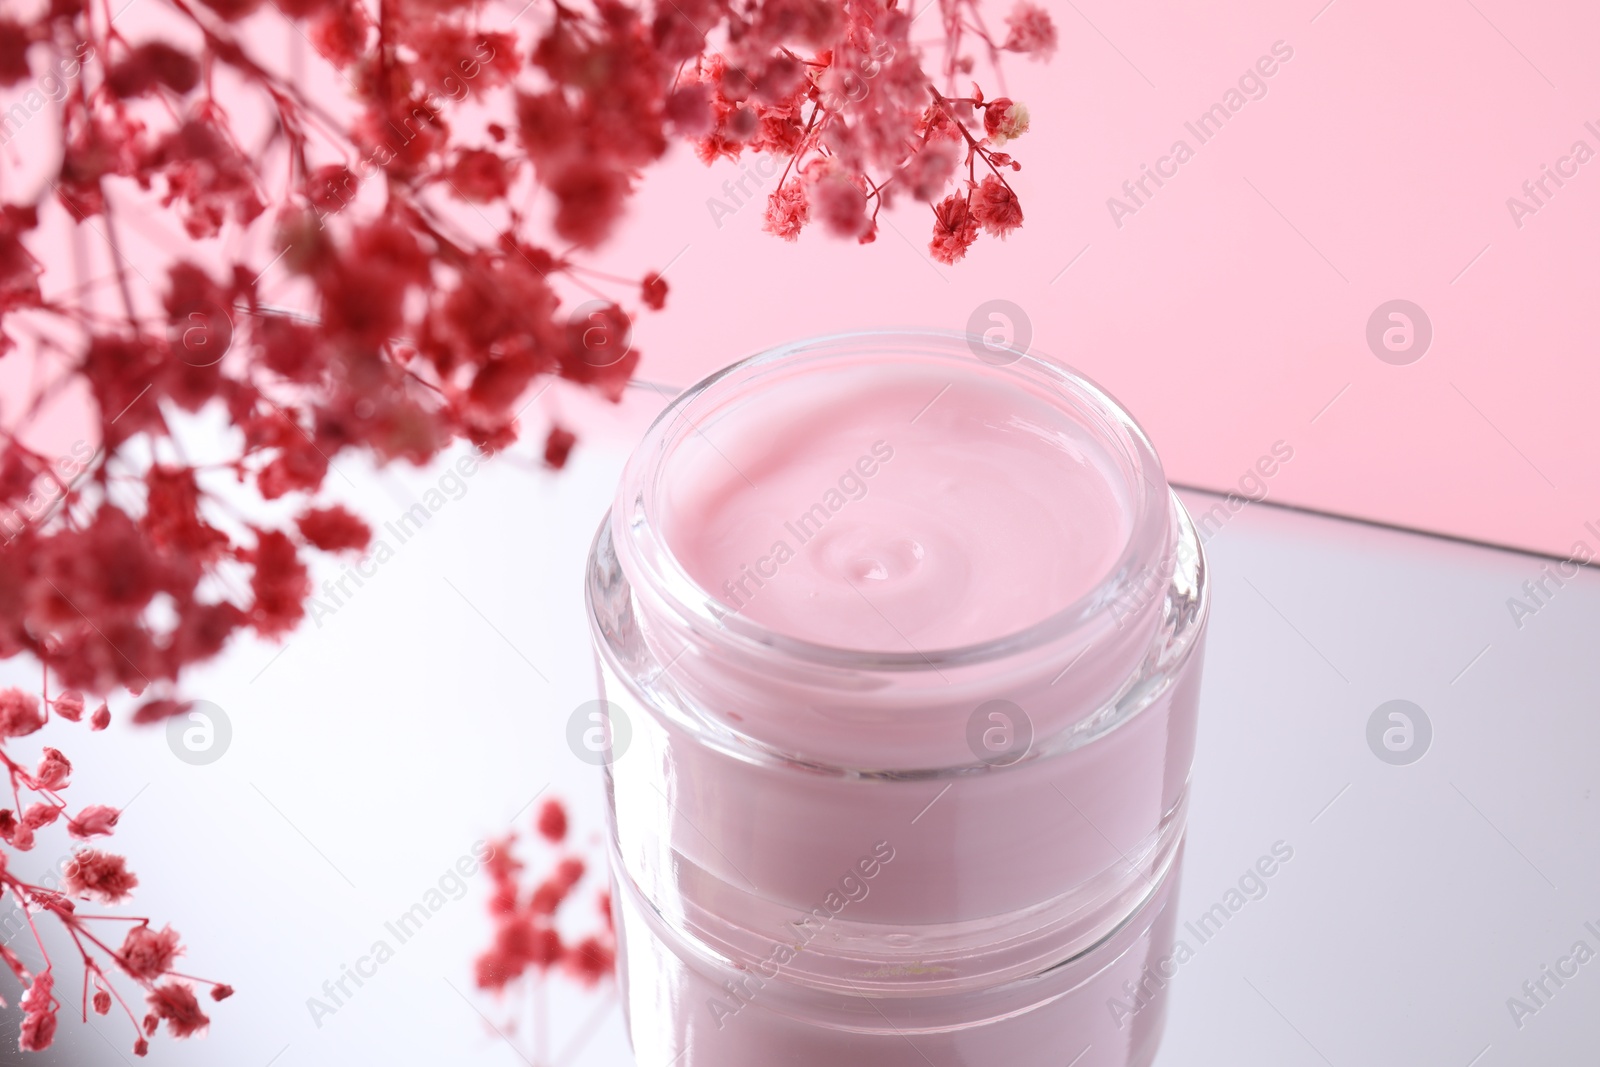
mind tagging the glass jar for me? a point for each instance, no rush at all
(961, 855)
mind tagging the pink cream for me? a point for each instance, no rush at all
(901, 651)
(896, 508)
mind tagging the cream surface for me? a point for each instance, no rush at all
(895, 508)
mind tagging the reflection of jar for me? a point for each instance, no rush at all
(858, 854)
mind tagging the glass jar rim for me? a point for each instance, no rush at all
(653, 568)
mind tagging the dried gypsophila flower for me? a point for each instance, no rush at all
(418, 334)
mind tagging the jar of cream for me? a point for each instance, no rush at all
(899, 641)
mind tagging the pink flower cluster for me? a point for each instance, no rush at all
(146, 955)
(526, 938)
(858, 119)
(432, 232)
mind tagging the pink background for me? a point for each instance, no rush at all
(1231, 309)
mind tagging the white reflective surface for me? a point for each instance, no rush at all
(430, 706)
